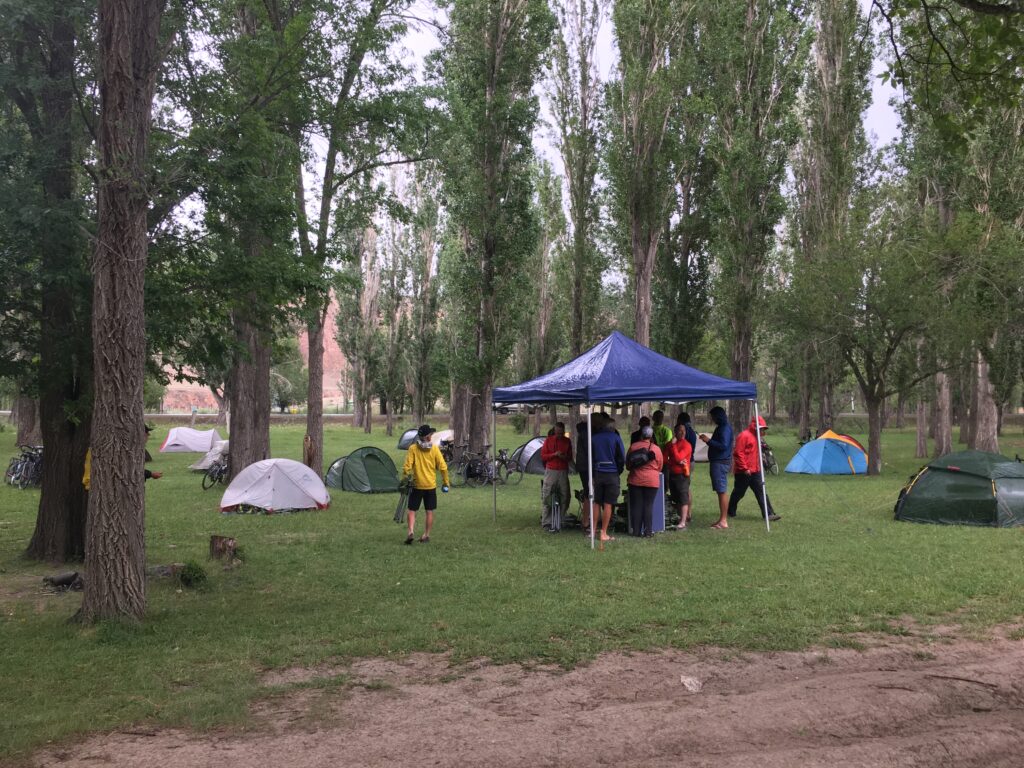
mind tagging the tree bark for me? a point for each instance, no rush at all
(986, 419)
(740, 364)
(459, 414)
(874, 406)
(249, 396)
(943, 416)
(921, 450)
(29, 429)
(65, 349)
(315, 398)
(115, 555)
(773, 389)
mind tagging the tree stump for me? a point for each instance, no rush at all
(223, 548)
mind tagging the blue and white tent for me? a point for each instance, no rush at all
(830, 454)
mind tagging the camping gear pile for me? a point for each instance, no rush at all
(966, 488)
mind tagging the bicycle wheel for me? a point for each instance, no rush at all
(511, 473)
(476, 473)
(770, 463)
(457, 474)
(211, 477)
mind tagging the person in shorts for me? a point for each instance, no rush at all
(608, 458)
(422, 463)
(719, 460)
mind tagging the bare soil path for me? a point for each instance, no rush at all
(945, 704)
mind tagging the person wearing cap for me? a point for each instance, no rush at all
(747, 471)
(556, 453)
(422, 463)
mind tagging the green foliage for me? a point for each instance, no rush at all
(193, 576)
(520, 422)
(289, 379)
(489, 67)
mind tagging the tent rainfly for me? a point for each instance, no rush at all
(409, 437)
(365, 470)
(275, 485)
(966, 488)
(219, 449)
(527, 456)
(617, 371)
(188, 440)
(831, 454)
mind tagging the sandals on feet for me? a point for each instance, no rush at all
(410, 539)
(424, 539)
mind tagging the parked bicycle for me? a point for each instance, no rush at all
(768, 456)
(507, 468)
(216, 473)
(26, 470)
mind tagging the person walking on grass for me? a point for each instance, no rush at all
(422, 463)
(719, 457)
(643, 482)
(678, 455)
(608, 459)
(556, 453)
(748, 472)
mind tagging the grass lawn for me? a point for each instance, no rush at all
(337, 584)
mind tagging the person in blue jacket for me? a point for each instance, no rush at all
(608, 458)
(719, 461)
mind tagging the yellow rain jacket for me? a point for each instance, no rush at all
(423, 466)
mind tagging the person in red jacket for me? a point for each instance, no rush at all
(643, 483)
(747, 471)
(556, 453)
(678, 455)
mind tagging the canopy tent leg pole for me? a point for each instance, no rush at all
(590, 472)
(494, 450)
(760, 466)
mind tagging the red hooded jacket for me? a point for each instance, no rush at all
(744, 453)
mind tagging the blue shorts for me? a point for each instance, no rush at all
(719, 475)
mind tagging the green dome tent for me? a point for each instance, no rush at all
(966, 488)
(365, 470)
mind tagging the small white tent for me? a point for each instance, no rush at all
(186, 440)
(276, 485)
(220, 449)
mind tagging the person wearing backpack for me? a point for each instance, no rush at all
(645, 461)
(748, 471)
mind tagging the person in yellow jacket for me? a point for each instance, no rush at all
(422, 463)
(87, 472)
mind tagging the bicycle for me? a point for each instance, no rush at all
(768, 456)
(216, 473)
(507, 469)
(26, 470)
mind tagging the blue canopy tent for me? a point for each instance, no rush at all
(620, 371)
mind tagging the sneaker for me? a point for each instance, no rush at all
(410, 539)
(773, 517)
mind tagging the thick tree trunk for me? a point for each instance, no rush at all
(222, 407)
(645, 248)
(29, 429)
(740, 365)
(480, 415)
(115, 555)
(65, 347)
(459, 415)
(970, 417)
(986, 421)
(943, 416)
(921, 450)
(874, 406)
(315, 399)
(250, 397)
(358, 401)
(901, 405)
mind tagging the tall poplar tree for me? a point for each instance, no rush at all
(490, 63)
(756, 65)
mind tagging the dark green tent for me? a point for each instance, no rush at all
(966, 488)
(365, 470)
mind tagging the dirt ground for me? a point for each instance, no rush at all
(902, 703)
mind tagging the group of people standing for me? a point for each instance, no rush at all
(654, 449)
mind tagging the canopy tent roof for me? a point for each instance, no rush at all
(620, 370)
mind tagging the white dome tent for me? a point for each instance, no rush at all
(276, 485)
(187, 440)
